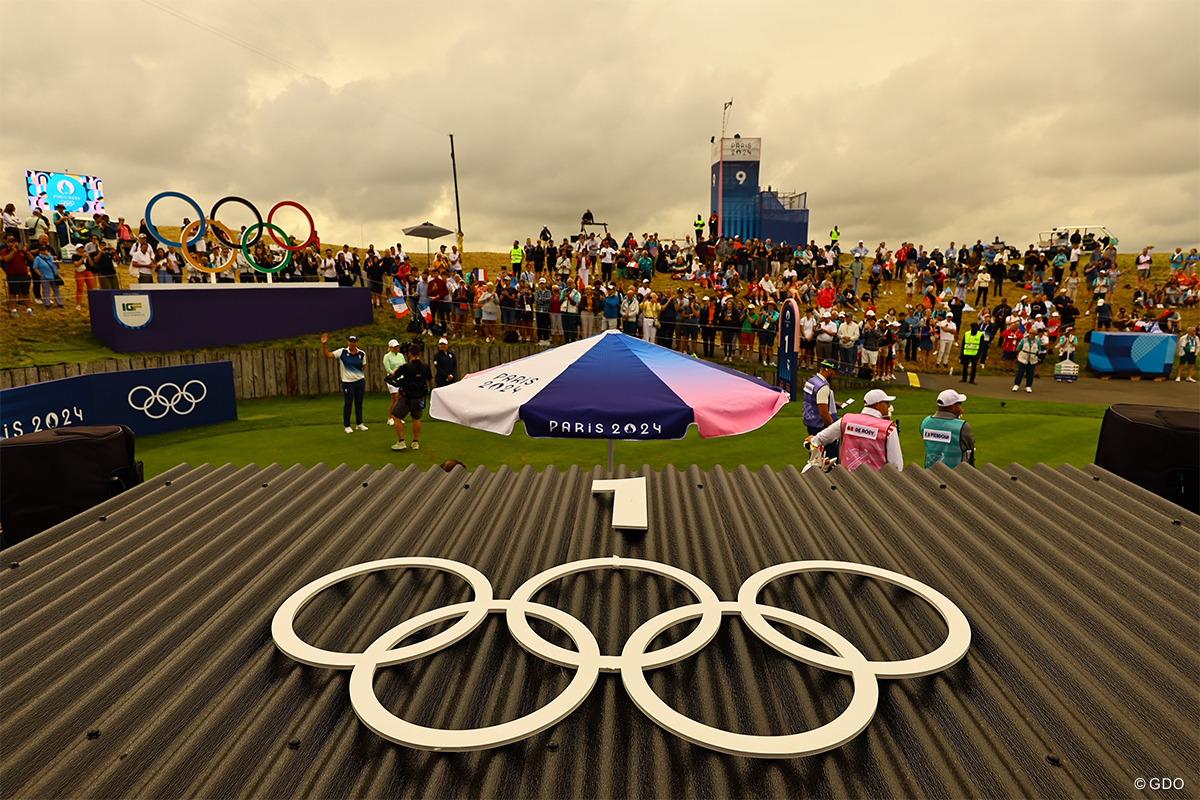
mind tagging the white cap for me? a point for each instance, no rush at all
(393, 343)
(949, 398)
(876, 396)
(870, 313)
(443, 340)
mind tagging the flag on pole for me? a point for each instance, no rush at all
(479, 276)
(426, 312)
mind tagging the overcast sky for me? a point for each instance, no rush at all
(923, 121)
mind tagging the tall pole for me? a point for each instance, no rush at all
(457, 209)
(721, 228)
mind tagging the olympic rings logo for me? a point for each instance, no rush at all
(198, 229)
(156, 400)
(634, 660)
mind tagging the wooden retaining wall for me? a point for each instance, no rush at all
(291, 372)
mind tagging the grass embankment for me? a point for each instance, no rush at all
(57, 337)
(308, 431)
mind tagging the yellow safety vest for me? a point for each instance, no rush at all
(971, 343)
(517, 255)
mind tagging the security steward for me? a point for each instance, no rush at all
(868, 439)
(948, 437)
(820, 407)
(516, 257)
(972, 340)
(445, 364)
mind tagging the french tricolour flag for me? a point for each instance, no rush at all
(399, 305)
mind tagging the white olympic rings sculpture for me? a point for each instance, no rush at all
(156, 399)
(588, 662)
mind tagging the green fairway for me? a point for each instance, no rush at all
(308, 431)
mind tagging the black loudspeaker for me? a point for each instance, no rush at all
(50, 476)
(1157, 448)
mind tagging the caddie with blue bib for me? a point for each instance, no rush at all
(948, 437)
(820, 407)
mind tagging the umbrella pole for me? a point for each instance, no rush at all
(610, 451)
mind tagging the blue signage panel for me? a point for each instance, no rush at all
(739, 199)
(151, 318)
(147, 400)
(788, 376)
(1148, 354)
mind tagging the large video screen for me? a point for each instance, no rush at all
(79, 194)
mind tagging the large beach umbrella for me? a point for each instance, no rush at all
(427, 231)
(609, 386)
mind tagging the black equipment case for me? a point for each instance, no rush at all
(51, 476)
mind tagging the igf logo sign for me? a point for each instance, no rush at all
(133, 310)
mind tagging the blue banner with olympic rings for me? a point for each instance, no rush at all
(149, 401)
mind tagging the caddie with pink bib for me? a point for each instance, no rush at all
(870, 438)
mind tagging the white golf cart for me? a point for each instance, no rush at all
(1061, 237)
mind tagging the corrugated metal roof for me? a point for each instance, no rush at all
(137, 658)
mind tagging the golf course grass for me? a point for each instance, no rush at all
(308, 431)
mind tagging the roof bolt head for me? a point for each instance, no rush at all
(364, 486)
(941, 486)
(1095, 477)
(102, 519)
(294, 744)
(264, 486)
(552, 747)
(1053, 760)
(14, 565)
(94, 733)
(166, 483)
(1173, 522)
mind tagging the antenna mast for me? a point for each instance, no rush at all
(725, 117)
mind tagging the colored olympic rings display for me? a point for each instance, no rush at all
(271, 218)
(225, 236)
(228, 242)
(169, 243)
(634, 660)
(257, 228)
(187, 256)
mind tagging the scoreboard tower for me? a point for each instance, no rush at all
(734, 185)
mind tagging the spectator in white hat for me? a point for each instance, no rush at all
(393, 359)
(948, 438)
(870, 438)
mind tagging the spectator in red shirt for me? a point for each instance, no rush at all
(16, 269)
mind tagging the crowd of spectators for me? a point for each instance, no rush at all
(872, 309)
